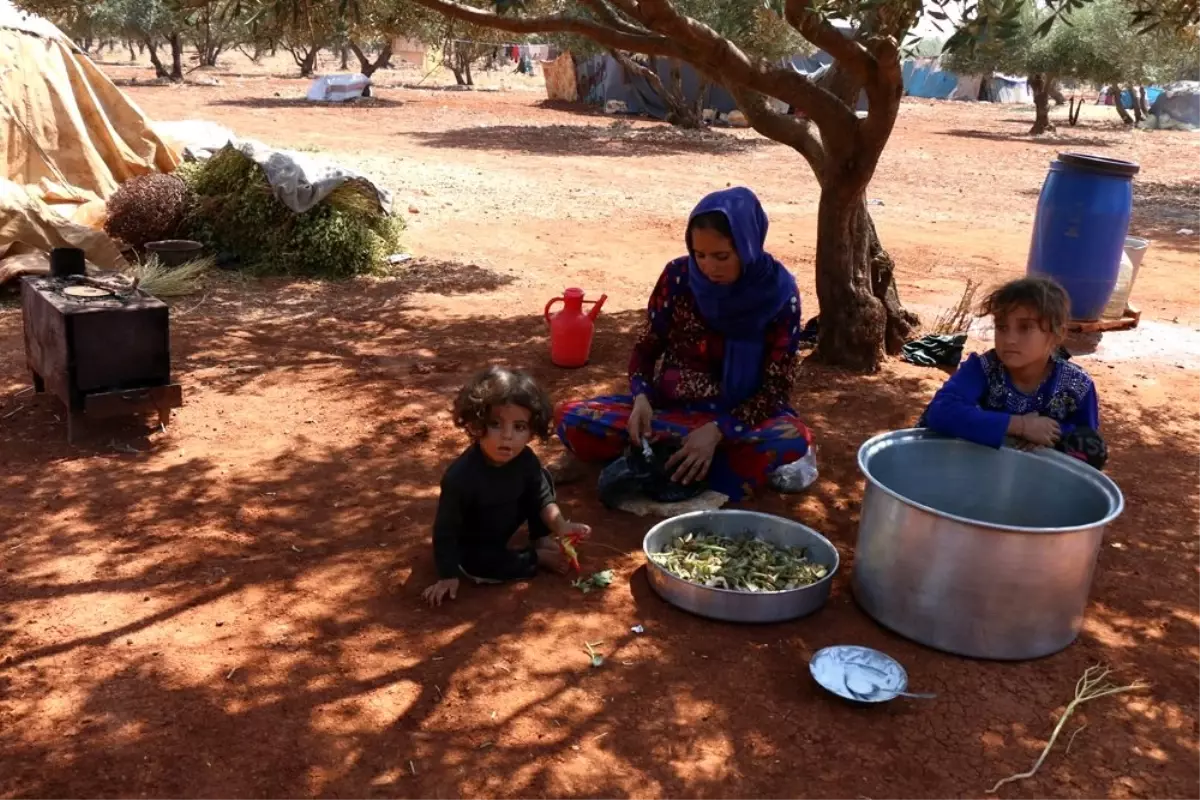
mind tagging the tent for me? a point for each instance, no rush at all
(1000, 88)
(70, 137)
(602, 81)
(1177, 107)
(924, 77)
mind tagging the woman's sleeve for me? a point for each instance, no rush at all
(781, 359)
(1087, 415)
(652, 341)
(955, 410)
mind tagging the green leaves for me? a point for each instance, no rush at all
(595, 581)
(742, 564)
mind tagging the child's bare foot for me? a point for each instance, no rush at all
(550, 557)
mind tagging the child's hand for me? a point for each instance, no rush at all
(1039, 430)
(575, 530)
(434, 594)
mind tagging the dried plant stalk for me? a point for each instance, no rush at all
(957, 318)
(1091, 686)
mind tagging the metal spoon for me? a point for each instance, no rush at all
(864, 689)
(916, 695)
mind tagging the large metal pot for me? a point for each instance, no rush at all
(979, 552)
(733, 606)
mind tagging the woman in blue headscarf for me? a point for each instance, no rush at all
(715, 362)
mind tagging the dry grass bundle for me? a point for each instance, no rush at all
(147, 208)
(957, 318)
(162, 281)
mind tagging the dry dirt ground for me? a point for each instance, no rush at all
(231, 608)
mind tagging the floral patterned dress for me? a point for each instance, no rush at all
(978, 400)
(677, 363)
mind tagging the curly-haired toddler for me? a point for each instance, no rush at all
(496, 486)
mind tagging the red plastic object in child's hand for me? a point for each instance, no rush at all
(566, 544)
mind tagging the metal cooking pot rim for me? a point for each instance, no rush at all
(1106, 484)
(837, 557)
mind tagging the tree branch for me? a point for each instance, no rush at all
(883, 92)
(724, 62)
(611, 18)
(781, 128)
(647, 43)
(821, 32)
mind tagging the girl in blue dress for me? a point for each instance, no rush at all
(1024, 391)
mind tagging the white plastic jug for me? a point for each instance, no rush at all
(1131, 262)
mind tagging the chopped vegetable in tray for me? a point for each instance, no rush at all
(742, 564)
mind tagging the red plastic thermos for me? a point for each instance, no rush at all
(571, 329)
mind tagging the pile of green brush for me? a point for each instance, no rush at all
(235, 213)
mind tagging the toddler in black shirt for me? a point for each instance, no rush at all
(496, 486)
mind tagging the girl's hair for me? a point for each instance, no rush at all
(1044, 295)
(498, 386)
(709, 221)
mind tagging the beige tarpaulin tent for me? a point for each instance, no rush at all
(69, 137)
(560, 79)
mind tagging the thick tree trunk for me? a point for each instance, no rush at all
(309, 65)
(1137, 104)
(1141, 95)
(1040, 86)
(132, 52)
(160, 70)
(899, 324)
(365, 65)
(176, 42)
(853, 320)
(1121, 111)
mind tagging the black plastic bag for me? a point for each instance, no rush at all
(633, 475)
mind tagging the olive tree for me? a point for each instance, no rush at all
(861, 314)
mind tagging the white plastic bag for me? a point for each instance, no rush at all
(797, 476)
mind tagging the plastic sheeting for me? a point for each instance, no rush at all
(69, 137)
(924, 77)
(301, 182)
(338, 88)
(1177, 108)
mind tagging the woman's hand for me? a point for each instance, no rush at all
(696, 455)
(434, 594)
(638, 426)
(1038, 430)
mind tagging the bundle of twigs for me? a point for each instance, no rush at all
(957, 318)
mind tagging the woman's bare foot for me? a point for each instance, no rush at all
(550, 557)
(566, 468)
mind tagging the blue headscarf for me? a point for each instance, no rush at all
(741, 310)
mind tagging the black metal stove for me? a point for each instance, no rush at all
(100, 345)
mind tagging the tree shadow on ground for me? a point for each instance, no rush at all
(579, 109)
(171, 625)
(617, 140)
(1161, 209)
(1056, 141)
(300, 102)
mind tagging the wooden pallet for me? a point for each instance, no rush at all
(1127, 322)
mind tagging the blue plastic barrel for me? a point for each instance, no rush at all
(1080, 229)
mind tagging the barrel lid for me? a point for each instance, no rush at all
(1108, 166)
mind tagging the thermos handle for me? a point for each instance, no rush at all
(550, 305)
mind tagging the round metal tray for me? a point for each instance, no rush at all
(736, 606)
